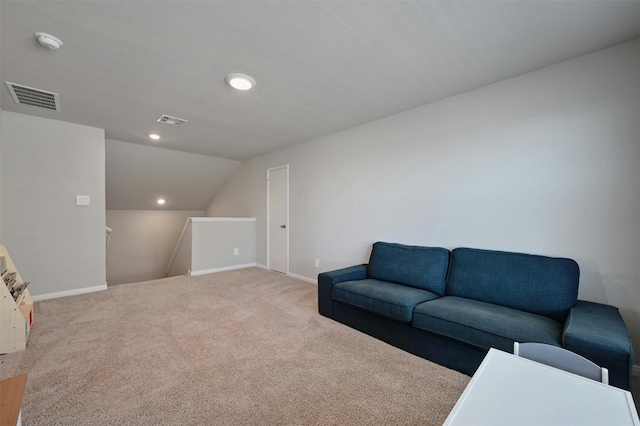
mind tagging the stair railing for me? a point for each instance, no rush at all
(185, 229)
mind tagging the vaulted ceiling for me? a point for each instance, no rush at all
(320, 66)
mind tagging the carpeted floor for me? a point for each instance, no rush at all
(242, 347)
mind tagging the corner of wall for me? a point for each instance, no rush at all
(235, 196)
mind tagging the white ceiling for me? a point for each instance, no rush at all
(320, 66)
(136, 176)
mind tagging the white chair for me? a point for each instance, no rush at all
(563, 359)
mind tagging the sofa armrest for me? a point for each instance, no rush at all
(598, 333)
(327, 280)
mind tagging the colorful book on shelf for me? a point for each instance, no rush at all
(17, 290)
(9, 278)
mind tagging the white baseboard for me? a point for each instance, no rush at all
(636, 370)
(66, 293)
(302, 278)
(292, 275)
(224, 268)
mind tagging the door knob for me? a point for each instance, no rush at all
(283, 226)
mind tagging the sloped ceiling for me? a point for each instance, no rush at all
(320, 66)
(137, 176)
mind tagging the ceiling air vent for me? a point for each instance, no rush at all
(174, 121)
(24, 95)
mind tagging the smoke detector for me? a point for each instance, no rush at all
(47, 40)
(174, 121)
(25, 95)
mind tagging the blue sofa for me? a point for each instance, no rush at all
(451, 307)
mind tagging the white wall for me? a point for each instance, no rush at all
(58, 246)
(237, 193)
(0, 162)
(142, 242)
(209, 245)
(547, 163)
(215, 239)
(0, 173)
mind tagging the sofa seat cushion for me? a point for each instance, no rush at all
(483, 324)
(415, 266)
(394, 301)
(537, 284)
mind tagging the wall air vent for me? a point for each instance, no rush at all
(174, 121)
(24, 95)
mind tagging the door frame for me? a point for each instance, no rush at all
(273, 169)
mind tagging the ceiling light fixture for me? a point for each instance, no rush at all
(240, 81)
(154, 136)
(47, 40)
(161, 201)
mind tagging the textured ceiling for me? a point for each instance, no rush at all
(320, 66)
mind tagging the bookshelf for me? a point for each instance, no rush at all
(16, 307)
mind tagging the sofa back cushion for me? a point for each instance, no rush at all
(537, 284)
(420, 267)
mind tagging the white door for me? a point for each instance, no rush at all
(278, 214)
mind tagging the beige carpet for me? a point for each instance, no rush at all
(242, 347)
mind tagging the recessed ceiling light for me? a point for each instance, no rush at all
(154, 136)
(240, 81)
(161, 201)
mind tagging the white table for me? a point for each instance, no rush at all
(509, 390)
